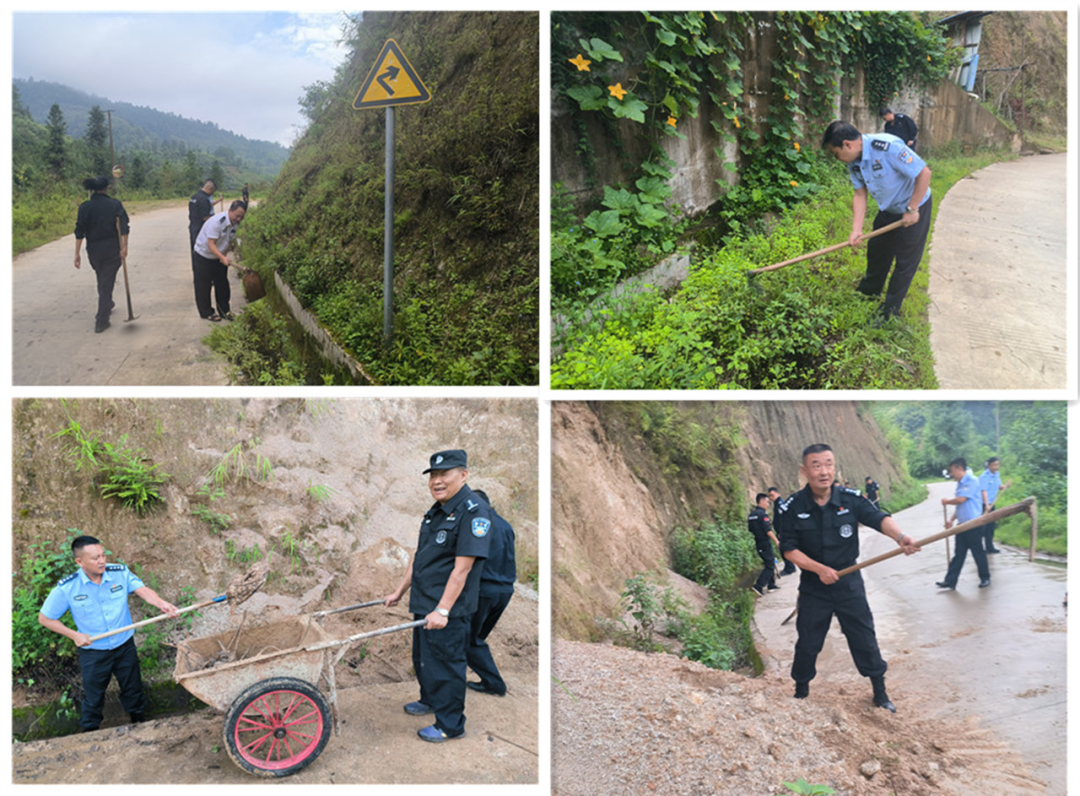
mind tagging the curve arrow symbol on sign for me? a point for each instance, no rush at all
(390, 74)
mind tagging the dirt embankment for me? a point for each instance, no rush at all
(614, 505)
(336, 513)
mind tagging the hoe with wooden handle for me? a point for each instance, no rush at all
(819, 252)
(993, 516)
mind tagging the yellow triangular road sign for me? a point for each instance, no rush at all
(392, 81)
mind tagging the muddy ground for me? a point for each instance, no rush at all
(377, 742)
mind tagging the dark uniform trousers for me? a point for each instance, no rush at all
(439, 660)
(968, 540)
(98, 666)
(104, 257)
(488, 611)
(847, 600)
(768, 573)
(210, 273)
(904, 245)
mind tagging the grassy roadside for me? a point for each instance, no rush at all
(797, 328)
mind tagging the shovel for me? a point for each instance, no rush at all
(242, 587)
(1024, 505)
(123, 262)
(887, 228)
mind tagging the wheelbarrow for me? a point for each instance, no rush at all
(266, 681)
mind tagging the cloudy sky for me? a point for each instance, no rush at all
(242, 71)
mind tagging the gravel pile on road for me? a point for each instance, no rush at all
(629, 723)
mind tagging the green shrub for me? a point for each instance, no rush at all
(33, 646)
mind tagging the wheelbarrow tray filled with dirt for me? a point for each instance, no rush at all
(266, 681)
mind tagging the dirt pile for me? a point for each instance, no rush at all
(630, 723)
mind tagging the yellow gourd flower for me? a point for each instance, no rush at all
(617, 91)
(672, 120)
(580, 62)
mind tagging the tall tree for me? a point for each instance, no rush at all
(56, 151)
(17, 107)
(97, 137)
(191, 170)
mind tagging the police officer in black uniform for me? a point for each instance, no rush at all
(496, 589)
(444, 578)
(761, 529)
(903, 127)
(200, 208)
(820, 532)
(106, 244)
(873, 491)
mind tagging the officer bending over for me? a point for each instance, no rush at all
(819, 532)
(96, 594)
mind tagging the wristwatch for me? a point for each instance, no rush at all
(442, 612)
(907, 209)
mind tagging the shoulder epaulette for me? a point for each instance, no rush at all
(782, 506)
(115, 567)
(68, 579)
(878, 144)
(851, 490)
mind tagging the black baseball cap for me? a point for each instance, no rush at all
(446, 460)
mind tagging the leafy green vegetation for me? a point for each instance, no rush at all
(1030, 437)
(466, 278)
(117, 471)
(804, 788)
(802, 327)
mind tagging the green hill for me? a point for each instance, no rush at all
(466, 204)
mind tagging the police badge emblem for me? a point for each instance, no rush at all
(480, 526)
(440, 537)
(846, 531)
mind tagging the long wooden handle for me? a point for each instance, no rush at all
(368, 604)
(153, 619)
(993, 516)
(867, 236)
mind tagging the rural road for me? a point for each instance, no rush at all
(997, 278)
(53, 340)
(995, 656)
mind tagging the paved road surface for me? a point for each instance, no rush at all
(997, 278)
(997, 654)
(53, 340)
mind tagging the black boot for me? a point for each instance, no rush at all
(881, 699)
(802, 690)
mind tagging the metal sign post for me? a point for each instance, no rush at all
(392, 81)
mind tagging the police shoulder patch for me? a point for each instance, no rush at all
(115, 567)
(880, 145)
(68, 579)
(480, 526)
(471, 505)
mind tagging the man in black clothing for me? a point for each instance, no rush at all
(873, 491)
(496, 589)
(761, 529)
(200, 208)
(819, 527)
(103, 223)
(903, 127)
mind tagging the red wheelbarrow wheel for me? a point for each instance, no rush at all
(277, 727)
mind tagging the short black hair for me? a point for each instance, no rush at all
(238, 203)
(992, 459)
(210, 180)
(818, 447)
(79, 542)
(884, 112)
(839, 132)
(96, 183)
(773, 489)
(960, 462)
(760, 496)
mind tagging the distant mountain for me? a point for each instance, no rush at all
(139, 127)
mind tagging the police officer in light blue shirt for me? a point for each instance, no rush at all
(968, 502)
(990, 484)
(883, 166)
(97, 596)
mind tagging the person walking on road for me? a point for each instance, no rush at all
(97, 596)
(990, 486)
(103, 223)
(819, 532)
(883, 166)
(496, 588)
(764, 538)
(244, 194)
(968, 502)
(775, 497)
(444, 579)
(212, 262)
(903, 127)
